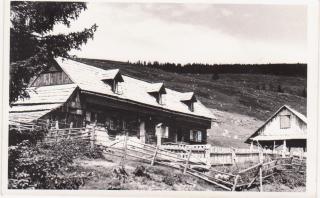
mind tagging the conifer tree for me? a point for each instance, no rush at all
(32, 42)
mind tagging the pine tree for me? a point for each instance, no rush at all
(304, 92)
(280, 89)
(32, 44)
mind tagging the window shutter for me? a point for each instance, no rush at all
(284, 121)
(166, 132)
(112, 124)
(124, 124)
(199, 136)
(107, 123)
(88, 116)
(191, 135)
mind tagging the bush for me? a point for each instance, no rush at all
(169, 180)
(291, 179)
(33, 136)
(44, 166)
(140, 171)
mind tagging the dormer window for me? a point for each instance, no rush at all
(112, 78)
(157, 90)
(189, 99)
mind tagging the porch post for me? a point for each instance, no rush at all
(142, 131)
(158, 134)
(251, 150)
(175, 136)
(284, 148)
(274, 146)
(251, 147)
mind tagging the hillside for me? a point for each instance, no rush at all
(240, 101)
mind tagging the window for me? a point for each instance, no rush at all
(88, 116)
(191, 106)
(285, 121)
(191, 135)
(199, 136)
(124, 125)
(160, 99)
(115, 87)
(195, 136)
(112, 124)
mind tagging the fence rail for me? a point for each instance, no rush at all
(186, 158)
(208, 154)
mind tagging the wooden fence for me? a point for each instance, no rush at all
(226, 156)
(187, 158)
(211, 155)
(256, 174)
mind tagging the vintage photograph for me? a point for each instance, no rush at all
(157, 96)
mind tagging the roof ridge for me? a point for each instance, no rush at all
(134, 89)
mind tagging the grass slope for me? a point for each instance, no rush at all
(240, 101)
(231, 129)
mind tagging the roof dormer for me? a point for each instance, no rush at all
(157, 90)
(189, 99)
(112, 78)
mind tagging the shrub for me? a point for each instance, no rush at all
(140, 171)
(169, 180)
(33, 136)
(45, 166)
(291, 179)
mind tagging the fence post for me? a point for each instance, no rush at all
(93, 135)
(235, 183)
(260, 168)
(57, 124)
(125, 150)
(260, 155)
(48, 124)
(207, 154)
(251, 151)
(187, 162)
(154, 156)
(71, 124)
(233, 156)
(260, 173)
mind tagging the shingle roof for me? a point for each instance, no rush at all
(42, 101)
(48, 94)
(28, 116)
(89, 78)
(298, 114)
(33, 107)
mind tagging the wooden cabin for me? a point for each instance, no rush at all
(286, 130)
(81, 94)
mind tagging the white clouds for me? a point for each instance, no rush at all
(126, 32)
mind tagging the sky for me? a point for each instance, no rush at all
(190, 32)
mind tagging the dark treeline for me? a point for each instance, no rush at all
(297, 69)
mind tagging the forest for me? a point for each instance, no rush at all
(283, 69)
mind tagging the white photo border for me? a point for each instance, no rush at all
(313, 109)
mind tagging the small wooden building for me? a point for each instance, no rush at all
(81, 94)
(286, 130)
